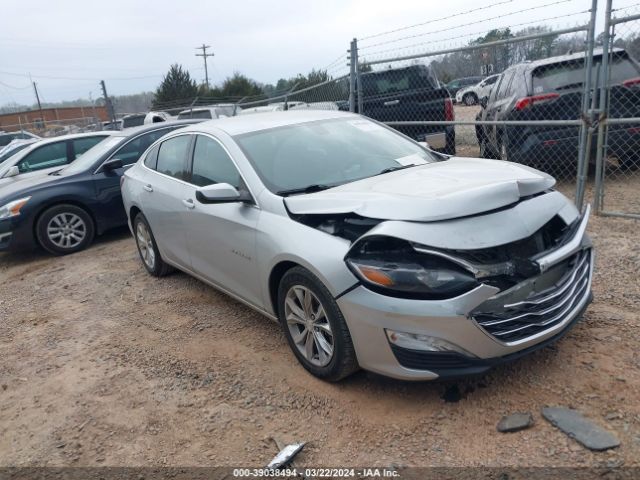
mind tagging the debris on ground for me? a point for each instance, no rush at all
(515, 422)
(285, 456)
(581, 429)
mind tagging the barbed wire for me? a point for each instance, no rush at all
(537, 7)
(483, 32)
(486, 7)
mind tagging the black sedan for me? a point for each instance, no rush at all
(63, 211)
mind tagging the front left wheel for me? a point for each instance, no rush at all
(64, 229)
(314, 326)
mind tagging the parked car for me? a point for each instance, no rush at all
(14, 147)
(410, 94)
(63, 211)
(139, 119)
(369, 250)
(44, 156)
(551, 89)
(456, 84)
(7, 137)
(211, 112)
(472, 94)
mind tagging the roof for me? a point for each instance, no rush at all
(567, 58)
(71, 136)
(253, 123)
(153, 126)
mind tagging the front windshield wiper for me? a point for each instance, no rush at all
(393, 169)
(308, 189)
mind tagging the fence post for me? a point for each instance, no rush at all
(353, 66)
(583, 148)
(359, 90)
(604, 111)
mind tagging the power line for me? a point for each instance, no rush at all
(483, 32)
(465, 24)
(49, 77)
(486, 7)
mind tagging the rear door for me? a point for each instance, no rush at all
(495, 108)
(164, 191)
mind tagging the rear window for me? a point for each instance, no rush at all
(134, 121)
(570, 75)
(391, 81)
(206, 114)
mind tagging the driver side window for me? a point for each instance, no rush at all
(47, 156)
(212, 164)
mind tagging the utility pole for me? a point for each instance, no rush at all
(107, 101)
(204, 55)
(35, 89)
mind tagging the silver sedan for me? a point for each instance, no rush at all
(370, 250)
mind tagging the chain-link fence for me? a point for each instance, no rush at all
(520, 93)
(54, 128)
(618, 130)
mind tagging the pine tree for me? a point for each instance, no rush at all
(177, 84)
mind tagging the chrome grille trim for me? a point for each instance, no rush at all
(545, 311)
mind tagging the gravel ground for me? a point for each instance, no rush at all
(104, 365)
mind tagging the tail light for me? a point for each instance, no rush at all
(526, 102)
(632, 82)
(449, 115)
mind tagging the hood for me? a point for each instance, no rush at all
(15, 187)
(455, 188)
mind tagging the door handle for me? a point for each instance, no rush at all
(391, 102)
(188, 203)
(148, 188)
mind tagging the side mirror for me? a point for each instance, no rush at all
(112, 164)
(221, 193)
(484, 101)
(12, 172)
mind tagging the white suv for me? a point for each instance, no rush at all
(471, 95)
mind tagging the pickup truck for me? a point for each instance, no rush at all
(410, 93)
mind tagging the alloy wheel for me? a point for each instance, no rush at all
(66, 230)
(308, 325)
(145, 245)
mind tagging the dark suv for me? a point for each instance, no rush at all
(459, 83)
(410, 94)
(551, 89)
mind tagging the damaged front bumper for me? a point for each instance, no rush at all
(485, 326)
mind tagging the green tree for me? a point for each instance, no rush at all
(239, 85)
(177, 84)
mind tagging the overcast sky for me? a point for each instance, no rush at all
(131, 43)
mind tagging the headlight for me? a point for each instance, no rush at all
(392, 267)
(12, 209)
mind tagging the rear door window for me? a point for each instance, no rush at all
(47, 156)
(505, 83)
(81, 145)
(172, 156)
(132, 150)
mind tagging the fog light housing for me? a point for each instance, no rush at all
(425, 343)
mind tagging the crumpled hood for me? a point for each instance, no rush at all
(454, 188)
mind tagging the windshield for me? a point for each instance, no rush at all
(327, 153)
(12, 151)
(87, 159)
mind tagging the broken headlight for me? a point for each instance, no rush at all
(391, 266)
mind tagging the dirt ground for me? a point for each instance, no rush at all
(101, 364)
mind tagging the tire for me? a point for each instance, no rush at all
(629, 161)
(64, 229)
(450, 145)
(148, 248)
(325, 350)
(470, 99)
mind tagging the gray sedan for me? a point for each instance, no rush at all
(370, 250)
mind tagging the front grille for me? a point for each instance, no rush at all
(544, 310)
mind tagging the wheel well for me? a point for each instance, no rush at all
(133, 212)
(71, 202)
(274, 281)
